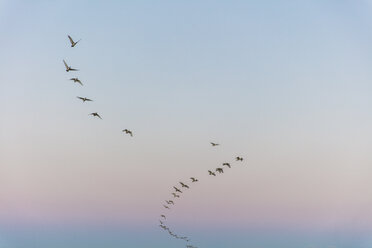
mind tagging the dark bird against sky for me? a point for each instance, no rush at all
(96, 115)
(73, 43)
(68, 68)
(84, 99)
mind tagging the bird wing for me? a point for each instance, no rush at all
(71, 40)
(99, 116)
(81, 98)
(64, 62)
(89, 100)
(72, 69)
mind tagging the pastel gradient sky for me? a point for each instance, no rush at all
(285, 84)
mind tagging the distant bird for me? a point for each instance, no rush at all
(73, 43)
(226, 164)
(166, 206)
(219, 170)
(96, 114)
(193, 179)
(211, 173)
(239, 159)
(184, 185)
(76, 80)
(128, 132)
(68, 68)
(175, 195)
(171, 202)
(84, 99)
(177, 190)
(163, 216)
(214, 144)
(161, 222)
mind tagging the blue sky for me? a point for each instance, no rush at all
(285, 84)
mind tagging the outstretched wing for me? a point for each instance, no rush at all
(64, 62)
(71, 40)
(81, 98)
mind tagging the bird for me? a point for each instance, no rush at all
(175, 195)
(96, 114)
(193, 179)
(76, 80)
(163, 216)
(166, 206)
(214, 144)
(84, 99)
(219, 170)
(177, 190)
(227, 164)
(211, 173)
(161, 222)
(128, 132)
(171, 202)
(239, 158)
(68, 68)
(184, 185)
(73, 43)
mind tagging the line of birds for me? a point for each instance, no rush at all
(77, 80)
(177, 193)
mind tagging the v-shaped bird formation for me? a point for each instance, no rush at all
(178, 192)
(180, 187)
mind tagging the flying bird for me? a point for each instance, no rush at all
(214, 144)
(84, 99)
(171, 202)
(193, 179)
(76, 80)
(163, 216)
(211, 173)
(73, 43)
(177, 190)
(184, 185)
(175, 195)
(226, 164)
(239, 159)
(128, 132)
(219, 170)
(68, 68)
(166, 206)
(96, 114)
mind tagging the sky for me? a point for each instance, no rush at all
(284, 84)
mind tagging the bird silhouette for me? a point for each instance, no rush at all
(227, 164)
(128, 132)
(76, 80)
(175, 195)
(163, 216)
(96, 114)
(68, 68)
(84, 99)
(219, 170)
(211, 173)
(184, 185)
(171, 202)
(166, 206)
(72, 41)
(177, 190)
(239, 159)
(193, 179)
(214, 144)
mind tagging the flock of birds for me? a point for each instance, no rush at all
(177, 190)
(177, 193)
(77, 80)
